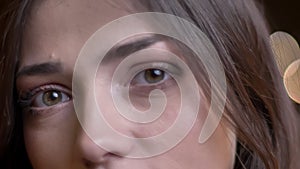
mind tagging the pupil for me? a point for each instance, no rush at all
(51, 98)
(154, 75)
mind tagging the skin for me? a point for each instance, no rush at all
(55, 32)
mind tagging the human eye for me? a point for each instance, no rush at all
(151, 76)
(45, 97)
(144, 77)
(156, 75)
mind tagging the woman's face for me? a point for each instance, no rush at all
(54, 35)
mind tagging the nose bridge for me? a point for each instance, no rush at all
(96, 138)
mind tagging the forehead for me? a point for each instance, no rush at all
(57, 28)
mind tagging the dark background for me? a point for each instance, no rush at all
(284, 15)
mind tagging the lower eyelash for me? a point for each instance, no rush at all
(35, 111)
(26, 98)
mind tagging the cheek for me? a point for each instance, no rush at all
(49, 138)
(217, 152)
(140, 101)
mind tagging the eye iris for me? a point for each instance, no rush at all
(52, 97)
(154, 75)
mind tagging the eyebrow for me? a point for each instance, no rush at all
(123, 50)
(40, 69)
(116, 52)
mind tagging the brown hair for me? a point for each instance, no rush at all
(12, 20)
(262, 114)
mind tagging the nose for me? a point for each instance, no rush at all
(91, 154)
(96, 140)
(97, 153)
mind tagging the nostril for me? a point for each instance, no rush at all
(109, 156)
(103, 162)
(87, 163)
(93, 164)
(100, 152)
(115, 147)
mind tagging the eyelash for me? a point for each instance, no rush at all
(27, 99)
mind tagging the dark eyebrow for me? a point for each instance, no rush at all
(126, 49)
(40, 69)
(116, 52)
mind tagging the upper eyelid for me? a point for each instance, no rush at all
(133, 69)
(26, 97)
(43, 87)
(162, 65)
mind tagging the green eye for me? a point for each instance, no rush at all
(51, 98)
(154, 75)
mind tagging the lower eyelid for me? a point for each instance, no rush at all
(48, 111)
(161, 86)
